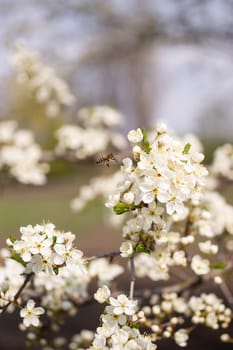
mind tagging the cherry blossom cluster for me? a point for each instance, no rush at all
(161, 171)
(105, 116)
(119, 320)
(11, 278)
(209, 310)
(160, 185)
(223, 161)
(48, 89)
(214, 216)
(75, 139)
(82, 340)
(20, 155)
(43, 248)
(206, 309)
(60, 294)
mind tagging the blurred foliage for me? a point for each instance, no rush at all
(21, 207)
(31, 115)
(210, 145)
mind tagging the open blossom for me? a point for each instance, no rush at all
(122, 305)
(102, 294)
(199, 265)
(30, 314)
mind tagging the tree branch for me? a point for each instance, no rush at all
(17, 295)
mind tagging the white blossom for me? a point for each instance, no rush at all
(30, 314)
(126, 249)
(102, 294)
(135, 136)
(199, 265)
(181, 337)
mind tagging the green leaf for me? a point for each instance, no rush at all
(12, 239)
(134, 326)
(17, 257)
(121, 208)
(219, 266)
(141, 249)
(54, 240)
(146, 144)
(56, 270)
(186, 148)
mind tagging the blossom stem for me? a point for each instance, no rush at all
(23, 285)
(227, 293)
(132, 277)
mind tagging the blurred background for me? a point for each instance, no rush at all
(152, 60)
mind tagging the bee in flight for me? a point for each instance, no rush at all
(107, 159)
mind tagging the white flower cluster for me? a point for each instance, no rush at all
(213, 216)
(206, 309)
(59, 293)
(20, 155)
(164, 314)
(156, 264)
(103, 271)
(117, 331)
(10, 279)
(90, 140)
(166, 254)
(43, 248)
(42, 81)
(163, 171)
(82, 340)
(223, 161)
(209, 310)
(97, 116)
(98, 186)
(166, 304)
(159, 184)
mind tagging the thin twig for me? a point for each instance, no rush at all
(227, 293)
(25, 282)
(132, 277)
